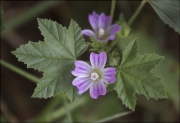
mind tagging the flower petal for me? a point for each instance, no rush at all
(98, 60)
(111, 32)
(102, 60)
(97, 88)
(108, 75)
(93, 60)
(82, 83)
(102, 20)
(113, 29)
(112, 37)
(93, 20)
(88, 32)
(82, 69)
(82, 65)
(108, 21)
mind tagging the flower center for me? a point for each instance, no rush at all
(94, 76)
(101, 32)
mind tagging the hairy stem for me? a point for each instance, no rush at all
(136, 13)
(113, 3)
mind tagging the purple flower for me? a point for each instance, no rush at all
(93, 77)
(103, 31)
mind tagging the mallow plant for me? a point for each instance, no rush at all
(127, 72)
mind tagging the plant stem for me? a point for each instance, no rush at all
(113, 3)
(62, 111)
(20, 71)
(68, 113)
(136, 12)
(48, 109)
(26, 16)
(113, 117)
(129, 22)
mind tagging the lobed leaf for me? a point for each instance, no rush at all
(55, 57)
(135, 76)
(42, 56)
(56, 81)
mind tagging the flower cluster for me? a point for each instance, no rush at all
(103, 30)
(94, 76)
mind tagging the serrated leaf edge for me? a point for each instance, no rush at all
(162, 19)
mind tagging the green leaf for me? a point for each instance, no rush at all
(96, 45)
(135, 76)
(55, 57)
(168, 11)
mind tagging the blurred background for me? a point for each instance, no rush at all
(19, 25)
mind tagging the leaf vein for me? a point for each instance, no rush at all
(58, 40)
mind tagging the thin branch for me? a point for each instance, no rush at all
(19, 71)
(113, 117)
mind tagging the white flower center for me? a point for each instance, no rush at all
(94, 76)
(101, 32)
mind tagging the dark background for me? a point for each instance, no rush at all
(16, 91)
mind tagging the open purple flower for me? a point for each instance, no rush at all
(93, 77)
(103, 31)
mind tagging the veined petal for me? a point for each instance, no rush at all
(102, 20)
(108, 75)
(113, 29)
(83, 65)
(85, 75)
(98, 60)
(101, 24)
(80, 73)
(82, 83)
(102, 60)
(111, 32)
(93, 60)
(93, 19)
(108, 21)
(88, 32)
(82, 69)
(96, 89)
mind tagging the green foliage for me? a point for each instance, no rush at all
(96, 45)
(168, 11)
(125, 29)
(134, 76)
(114, 58)
(55, 57)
